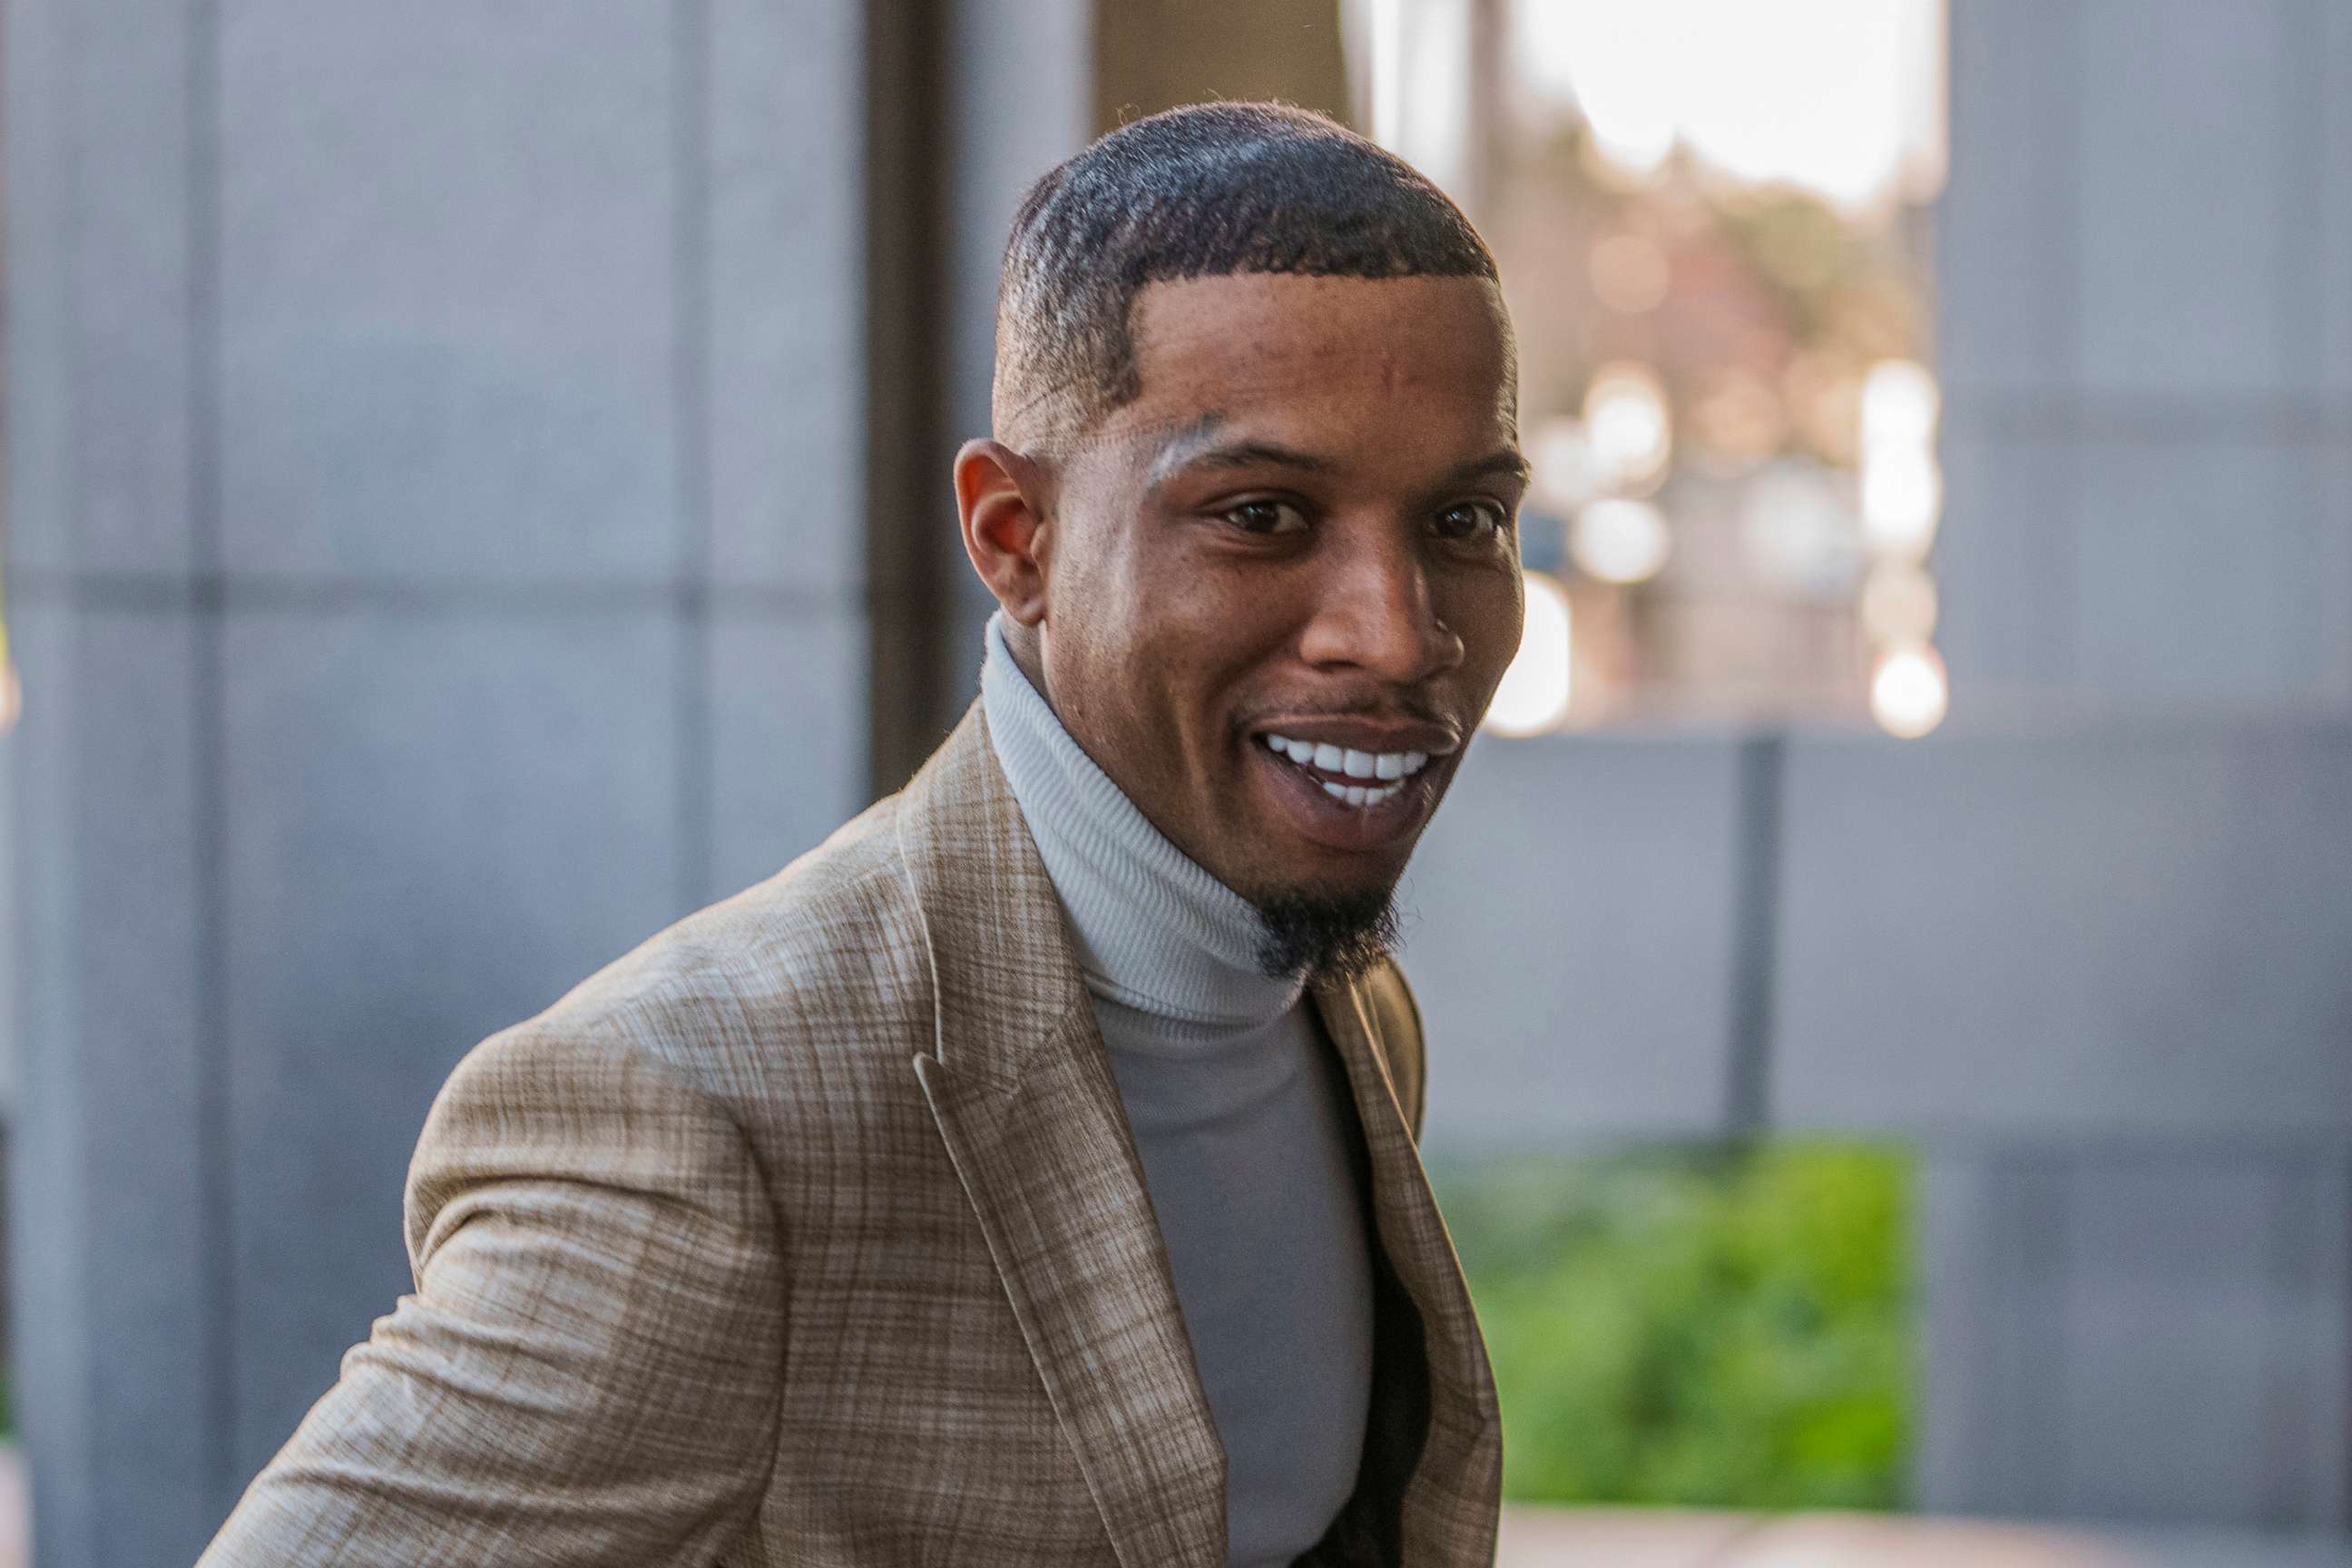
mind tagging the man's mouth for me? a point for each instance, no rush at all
(1352, 782)
(1352, 777)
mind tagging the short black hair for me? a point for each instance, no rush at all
(1203, 190)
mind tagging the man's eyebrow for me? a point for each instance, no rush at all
(1195, 448)
(1200, 452)
(1505, 462)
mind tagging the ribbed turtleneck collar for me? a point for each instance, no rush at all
(1154, 930)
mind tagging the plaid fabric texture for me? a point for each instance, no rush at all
(811, 1232)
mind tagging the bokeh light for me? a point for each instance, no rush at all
(1536, 689)
(1899, 404)
(1902, 492)
(1630, 274)
(1799, 533)
(1907, 691)
(1837, 96)
(1625, 420)
(1620, 540)
(1561, 459)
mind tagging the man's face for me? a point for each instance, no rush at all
(1303, 530)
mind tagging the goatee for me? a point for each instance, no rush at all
(1338, 935)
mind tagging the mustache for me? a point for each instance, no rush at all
(1370, 706)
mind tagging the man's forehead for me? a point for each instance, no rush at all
(1260, 314)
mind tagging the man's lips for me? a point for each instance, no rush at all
(1364, 785)
(1363, 733)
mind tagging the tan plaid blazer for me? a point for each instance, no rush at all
(812, 1232)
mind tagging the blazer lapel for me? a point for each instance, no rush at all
(1019, 1083)
(1453, 1504)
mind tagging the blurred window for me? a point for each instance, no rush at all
(1711, 217)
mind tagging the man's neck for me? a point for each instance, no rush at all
(1153, 929)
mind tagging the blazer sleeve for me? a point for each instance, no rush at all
(590, 1369)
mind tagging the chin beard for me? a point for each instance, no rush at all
(1341, 935)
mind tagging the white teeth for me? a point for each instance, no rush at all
(1360, 795)
(1386, 766)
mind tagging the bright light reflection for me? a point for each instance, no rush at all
(1534, 694)
(1899, 404)
(1798, 534)
(1419, 71)
(1907, 691)
(1843, 96)
(1902, 491)
(1561, 461)
(1620, 540)
(1626, 419)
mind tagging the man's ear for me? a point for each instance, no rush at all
(1004, 498)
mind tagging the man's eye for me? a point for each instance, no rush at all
(1266, 517)
(1468, 518)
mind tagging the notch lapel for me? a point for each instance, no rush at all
(1020, 1085)
(1454, 1501)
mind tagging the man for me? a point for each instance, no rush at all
(1026, 1176)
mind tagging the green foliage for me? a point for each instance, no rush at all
(1701, 1326)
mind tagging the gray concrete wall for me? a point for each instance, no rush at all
(436, 562)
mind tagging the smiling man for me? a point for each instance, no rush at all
(1028, 1174)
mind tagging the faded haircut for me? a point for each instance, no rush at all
(1206, 190)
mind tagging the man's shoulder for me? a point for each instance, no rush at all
(826, 954)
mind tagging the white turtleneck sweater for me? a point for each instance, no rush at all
(1238, 1105)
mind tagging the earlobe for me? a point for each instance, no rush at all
(1000, 500)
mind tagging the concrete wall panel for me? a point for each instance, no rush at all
(788, 739)
(2122, 931)
(446, 290)
(2198, 571)
(2185, 216)
(786, 364)
(2150, 1333)
(2002, 298)
(1569, 923)
(438, 824)
(2004, 566)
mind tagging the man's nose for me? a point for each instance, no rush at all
(1375, 611)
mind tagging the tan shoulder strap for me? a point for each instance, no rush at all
(1396, 1025)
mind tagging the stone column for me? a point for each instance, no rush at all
(437, 558)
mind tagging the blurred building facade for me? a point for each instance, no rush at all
(476, 491)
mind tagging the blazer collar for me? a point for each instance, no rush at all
(1019, 1082)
